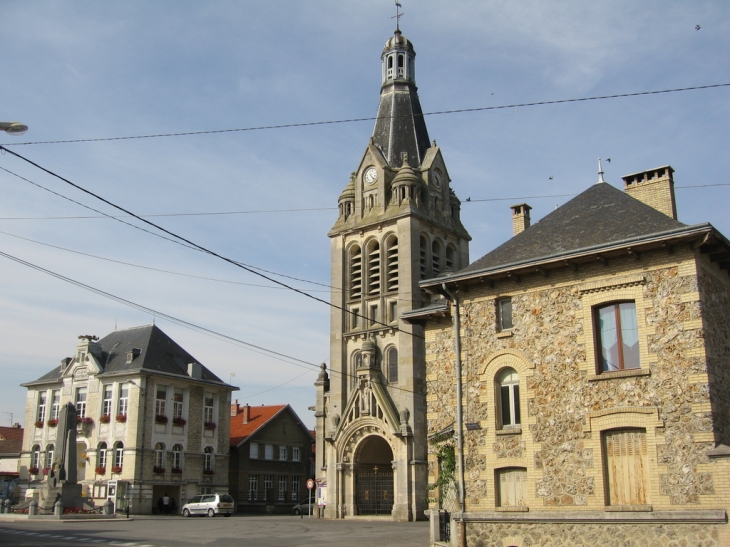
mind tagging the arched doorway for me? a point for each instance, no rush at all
(374, 477)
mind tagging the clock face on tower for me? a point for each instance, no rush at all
(370, 175)
(436, 178)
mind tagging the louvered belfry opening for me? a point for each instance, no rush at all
(424, 257)
(355, 272)
(435, 258)
(626, 467)
(450, 258)
(373, 257)
(392, 264)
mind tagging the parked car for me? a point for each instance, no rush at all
(209, 504)
(303, 508)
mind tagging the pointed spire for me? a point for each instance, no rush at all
(600, 172)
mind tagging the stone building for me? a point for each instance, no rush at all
(152, 420)
(270, 458)
(595, 354)
(11, 443)
(398, 223)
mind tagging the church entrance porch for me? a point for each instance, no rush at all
(374, 490)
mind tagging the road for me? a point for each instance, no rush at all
(248, 531)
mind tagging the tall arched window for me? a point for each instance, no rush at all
(391, 254)
(392, 360)
(373, 258)
(118, 455)
(177, 451)
(208, 459)
(424, 257)
(101, 456)
(508, 384)
(435, 258)
(35, 457)
(356, 363)
(49, 456)
(159, 457)
(451, 258)
(355, 271)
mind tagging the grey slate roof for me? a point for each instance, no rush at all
(600, 215)
(159, 353)
(400, 126)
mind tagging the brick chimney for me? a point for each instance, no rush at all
(234, 409)
(654, 187)
(246, 413)
(520, 218)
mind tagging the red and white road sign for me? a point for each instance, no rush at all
(310, 484)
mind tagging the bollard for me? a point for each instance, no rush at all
(58, 508)
(33, 508)
(108, 507)
(127, 509)
(7, 505)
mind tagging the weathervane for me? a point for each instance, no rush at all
(397, 15)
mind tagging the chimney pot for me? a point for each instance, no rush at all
(655, 188)
(520, 218)
(246, 413)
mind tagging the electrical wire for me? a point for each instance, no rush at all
(353, 120)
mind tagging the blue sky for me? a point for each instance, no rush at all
(83, 69)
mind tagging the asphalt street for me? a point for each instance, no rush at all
(251, 531)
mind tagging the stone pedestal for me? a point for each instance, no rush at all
(68, 494)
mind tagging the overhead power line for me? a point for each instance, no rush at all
(353, 120)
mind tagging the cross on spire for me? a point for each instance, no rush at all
(397, 15)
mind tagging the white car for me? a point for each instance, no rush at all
(209, 504)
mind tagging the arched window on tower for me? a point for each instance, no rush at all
(435, 258)
(356, 362)
(391, 254)
(373, 268)
(390, 67)
(355, 271)
(392, 364)
(401, 66)
(450, 258)
(424, 257)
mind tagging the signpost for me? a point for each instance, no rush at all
(310, 486)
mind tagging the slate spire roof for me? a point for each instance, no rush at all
(157, 353)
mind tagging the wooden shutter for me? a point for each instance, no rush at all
(626, 467)
(512, 487)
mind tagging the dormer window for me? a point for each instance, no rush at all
(133, 354)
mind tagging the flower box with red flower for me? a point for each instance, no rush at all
(33, 470)
(210, 426)
(161, 419)
(46, 470)
(158, 470)
(180, 422)
(208, 472)
(117, 469)
(105, 419)
(176, 471)
(84, 420)
(121, 418)
(52, 422)
(101, 470)
(39, 424)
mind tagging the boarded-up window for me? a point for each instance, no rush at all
(626, 467)
(512, 487)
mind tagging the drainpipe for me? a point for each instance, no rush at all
(459, 414)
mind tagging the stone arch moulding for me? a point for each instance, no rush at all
(507, 358)
(646, 417)
(354, 436)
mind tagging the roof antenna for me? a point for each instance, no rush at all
(397, 16)
(600, 172)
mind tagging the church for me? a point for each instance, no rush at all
(399, 223)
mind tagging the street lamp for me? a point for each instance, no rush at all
(13, 128)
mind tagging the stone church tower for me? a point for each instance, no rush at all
(398, 224)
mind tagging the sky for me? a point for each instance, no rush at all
(76, 70)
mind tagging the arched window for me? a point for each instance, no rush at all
(401, 65)
(435, 258)
(508, 383)
(390, 67)
(177, 451)
(101, 456)
(391, 254)
(392, 360)
(208, 459)
(356, 363)
(450, 258)
(35, 457)
(355, 271)
(118, 455)
(49, 456)
(373, 271)
(159, 457)
(424, 257)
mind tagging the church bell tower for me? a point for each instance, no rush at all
(399, 222)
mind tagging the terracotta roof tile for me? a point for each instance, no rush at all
(259, 416)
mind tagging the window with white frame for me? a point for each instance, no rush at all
(282, 487)
(295, 454)
(42, 398)
(177, 403)
(177, 452)
(123, 399)
(253, 487)
(49, 456)
(106, 405)
(268, 484)
(269, 452)
(208, 458)
(118, 454)
(295, 482)
(55, 404)
(159, 456)
(253, 451)
(160, 400)
(282, 453)
(508, 383)
(81, 393)
(101, 455)
(208, 408)
(35, 456)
